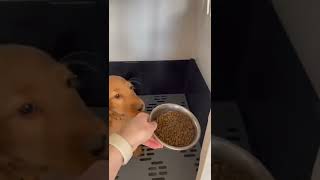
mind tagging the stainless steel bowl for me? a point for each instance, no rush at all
(163, 108)
(239, 158)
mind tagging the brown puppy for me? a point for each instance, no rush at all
(124, 104)
(44, 125)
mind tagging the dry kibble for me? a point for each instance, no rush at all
(175, 129)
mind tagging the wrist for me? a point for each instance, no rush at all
(122, 145)
(115, 152)
(130, 140)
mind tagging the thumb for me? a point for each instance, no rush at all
(153, 143)
(153, 125)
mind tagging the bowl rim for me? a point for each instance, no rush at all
(193, 118)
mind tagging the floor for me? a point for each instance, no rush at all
(163, 164)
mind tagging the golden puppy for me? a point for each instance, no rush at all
(124, 104)
(45, 127)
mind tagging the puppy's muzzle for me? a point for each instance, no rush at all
(141, 107)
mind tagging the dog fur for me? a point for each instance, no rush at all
(124, 104)
(44, 125)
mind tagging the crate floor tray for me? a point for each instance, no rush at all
(163, 164)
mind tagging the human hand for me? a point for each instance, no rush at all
(140, 131)
(153, 143)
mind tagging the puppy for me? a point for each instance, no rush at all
(124, 104)
(45, 127)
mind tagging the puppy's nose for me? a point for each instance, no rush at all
(141, 108)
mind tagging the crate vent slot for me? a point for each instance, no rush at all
(152, 168)
(189, 155)
(163, 173)
(152, 174)
(156, 162)
(145, 159)
(162, 167)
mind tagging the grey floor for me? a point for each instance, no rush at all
(163, 164)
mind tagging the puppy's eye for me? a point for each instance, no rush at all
(73, 82)
(117, 96)
(27, 108)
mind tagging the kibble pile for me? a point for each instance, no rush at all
(224, 171)
(175, 129)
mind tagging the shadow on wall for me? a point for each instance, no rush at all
(257, 66)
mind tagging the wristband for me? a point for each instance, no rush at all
(122, 145)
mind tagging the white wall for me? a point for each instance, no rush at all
(301, 21)
(150, 29)
(160, 30)
(202, 45)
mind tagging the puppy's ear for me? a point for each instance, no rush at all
(137, 83)
(70, 78)
(111, 109)
(128, 76)
(113, 114)
(73, 82)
